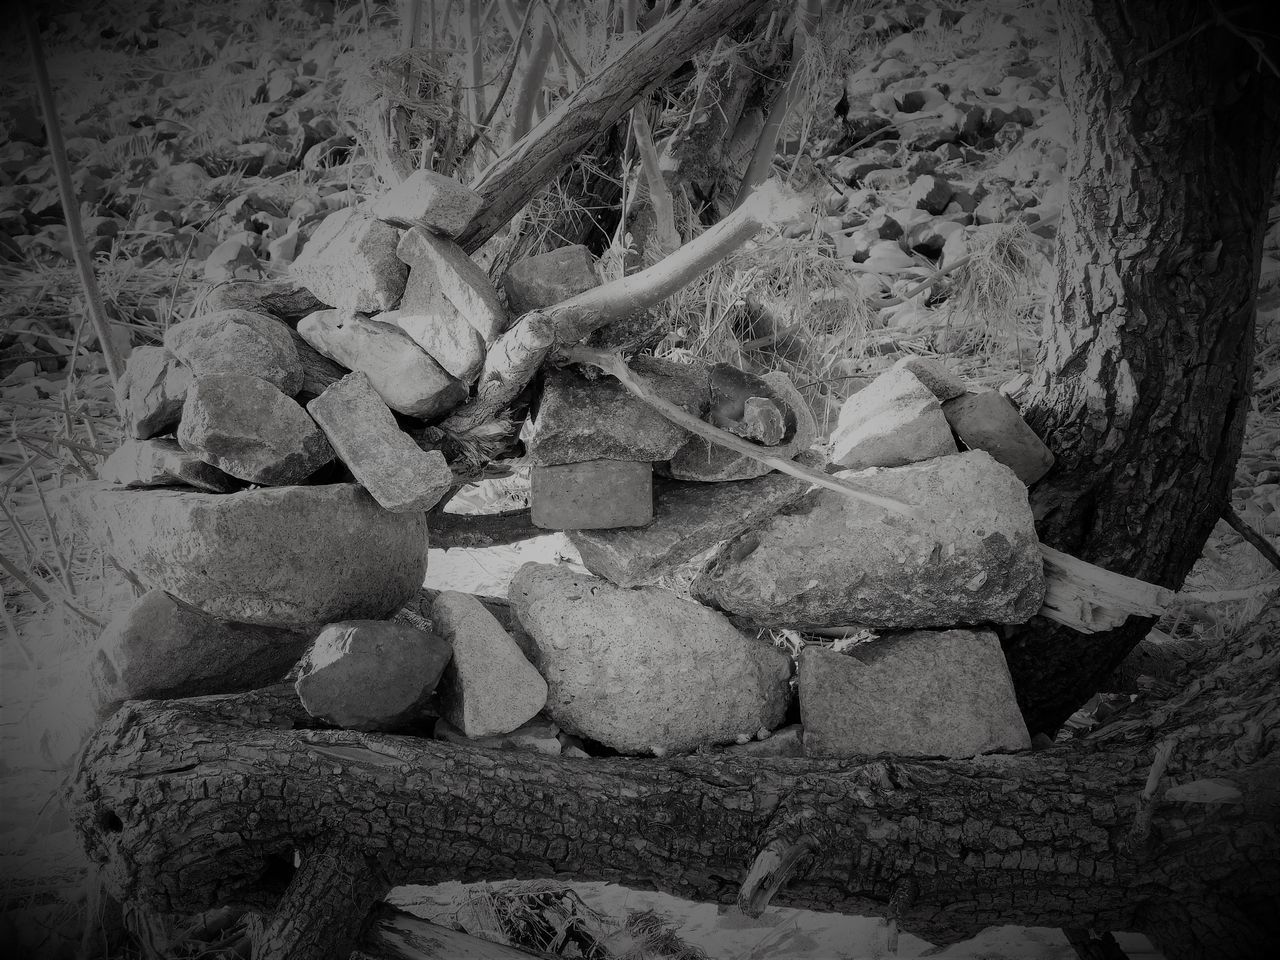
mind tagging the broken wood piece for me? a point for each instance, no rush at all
(773, 866)
(396, 934)
(1090, 599)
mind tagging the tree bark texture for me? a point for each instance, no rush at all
(1142, 380)
(190, 803)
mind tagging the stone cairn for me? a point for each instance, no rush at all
(271, 500)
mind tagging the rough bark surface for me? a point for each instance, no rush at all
(1142, 377)
(194, 803)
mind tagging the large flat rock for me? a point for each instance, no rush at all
(945, 693)
(350, 262)
(830, 560)
(688, 518)
(895, 420)
(438, 264)
(241, 342)
(643, 670)
(278, 556)
(402, 373)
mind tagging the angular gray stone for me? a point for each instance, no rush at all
(237, 341)
(591, 495)
(643, 670)
(154, 387)
(688, 518)
(429, 199)
(437, 326)
(318, 371)
(370, 674)
(398, 473)
(940, 381)
(706, 462)
(945, 693)
(929, 193)
(549, 278)
(350, 263)
(278, 556)
(988, 420)
(437, 263)
(162, 463)
(895, 420)
(404, 376)
(284, 298)
(539, 735)
(163, 649)
(489, 688)
(828, 560)
(244, 426)
(581, 419)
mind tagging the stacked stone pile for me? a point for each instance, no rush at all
(272, 503)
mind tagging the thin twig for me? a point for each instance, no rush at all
(1252, 536)
(27, 582)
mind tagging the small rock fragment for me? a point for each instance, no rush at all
(154, 387)
(431, 200)
(929, 193)
(438, 264)
(370, 674)
(591, 495)
(945, 693)
(784, 742)
(940, 381)
(244, 426)
(549, 278)
(988, 420)
(395, 470)
(489, 687)
(350, 263)
(240, 342)
(762, 421)
(285, 299)
(539, 735)
(161, 462)
(404, 376)
(894, 421)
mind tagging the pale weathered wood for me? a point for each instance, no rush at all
(1089, 599)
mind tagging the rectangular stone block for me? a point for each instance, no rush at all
(988, 420)
(549, 278)
(595, 494)
(438, 264)
(398, 474)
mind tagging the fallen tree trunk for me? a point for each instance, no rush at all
(196, 803)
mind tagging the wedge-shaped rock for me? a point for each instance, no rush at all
(988, 420)
(688, 518)
(279, 556)
(539, 735)
(162, 463)
(154, 387)
(161, 648)
(244, 426)
(489, 688)
(893, 421)
(592, 495)
(370, 674)
(237, 341)
(937, 379)
(438, 326)
(935, 694)
(285, 298)
(442, 265)
(704, 461)
(549, 278)
(407, 380)
(581, 419)
(644, 670)
(318, 371)
(399, 474)
(350, 262)
(828, 560)
(429, 199)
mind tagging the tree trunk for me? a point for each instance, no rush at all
(1142, 381)
(196, 803)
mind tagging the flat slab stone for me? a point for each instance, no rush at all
(436, 325)
(893, 421)
(706, 462)
(154, 387)
(431, 200)
(240, 342)
(247, 428)
(945, 693)
(404, 376)
(828, 560)
(581, 419)
(284, 298)
(595, 494)
(643, 670)
(549, 278)
(396, 471)
(539, 735)
(489, 688)
(162, 463)
(276, 556)
(988, 420)
(937, 379)
(688, 518)
(370, 674)
(350, 262)
(163, 649)
(443, 266)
